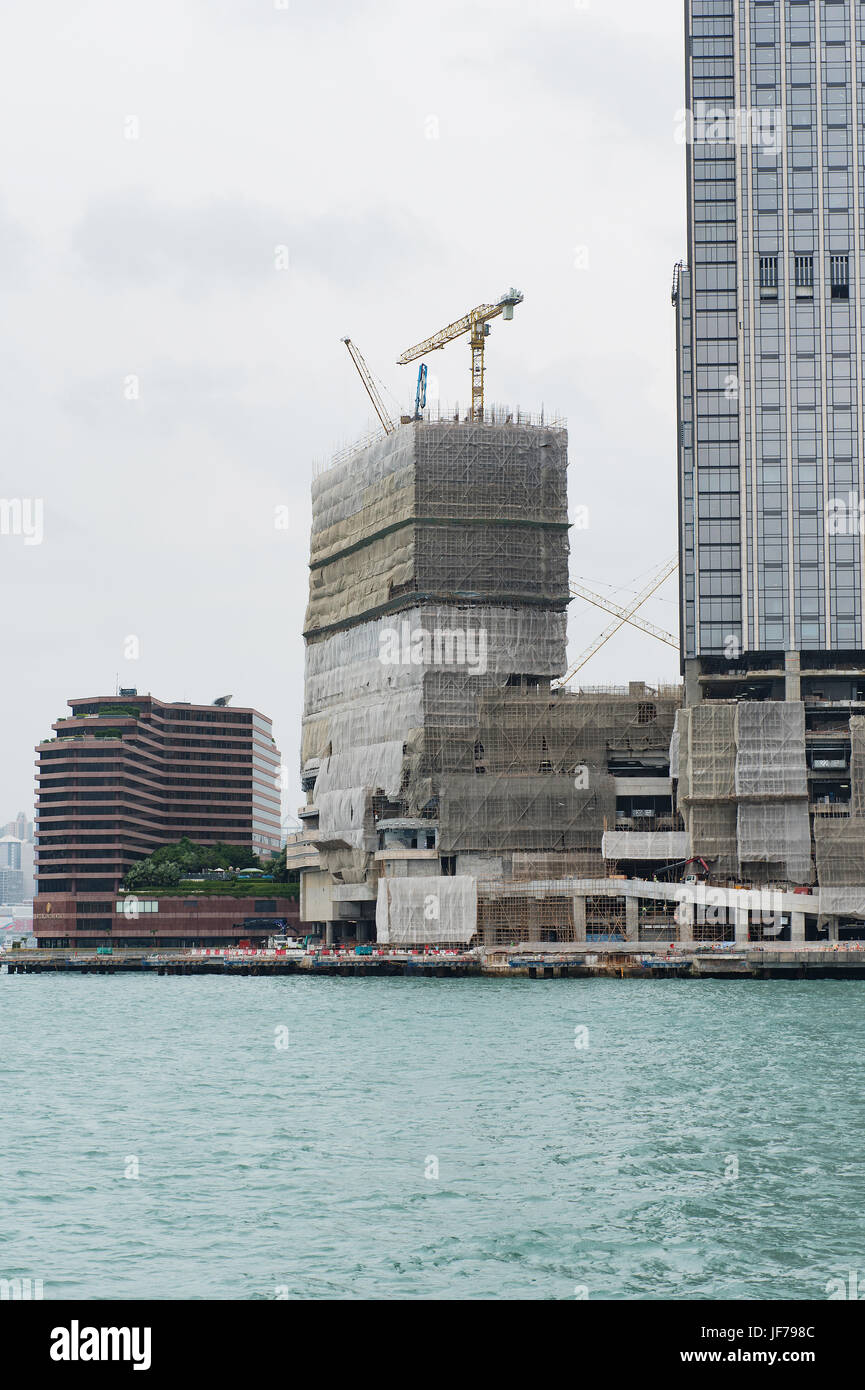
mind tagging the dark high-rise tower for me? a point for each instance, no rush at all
(770, 351)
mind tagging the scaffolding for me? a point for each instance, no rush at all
(436, 624)
(507, 916)
(526, 867)
(540, 781)
(857, 769)
(441, 510)
(743, 787)
(839, 843)
(703, 758)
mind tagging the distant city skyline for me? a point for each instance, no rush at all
(16, 861)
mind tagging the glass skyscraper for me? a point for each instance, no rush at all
(769, 330)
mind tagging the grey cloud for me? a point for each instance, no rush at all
(308, 14)
(135, 242)
(16, 250)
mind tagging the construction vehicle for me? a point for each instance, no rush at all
(477, 324)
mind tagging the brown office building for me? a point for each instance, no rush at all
(123, 776)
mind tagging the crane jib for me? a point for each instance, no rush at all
(475, 323)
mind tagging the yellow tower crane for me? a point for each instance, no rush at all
(475, 323)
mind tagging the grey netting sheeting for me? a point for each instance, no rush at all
(465, 469)
(447, 509)
(528, 813)
(770, 749)
(712, 834)
(383, 723)
(706, 753)
(645, 844)
(354, 585)
(842, 901)
(369, 490)
(501, 472)
(569, 864)
(703, 743)
(355, 695)
(530, 732)
(488, 561)
(373, 765)
(776, 832)
(742, 785)
(857, 766)
(674, 746)
(436, 620)
(772, 786)
(347, 865)
(413, 911)
(839, 842)
(346, 817)
(532, 774)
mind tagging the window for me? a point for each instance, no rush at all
(839, 267)
(803, 267)
(768, 277)
(804, 271)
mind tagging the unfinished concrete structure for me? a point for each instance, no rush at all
(455, 793)
(436, 757)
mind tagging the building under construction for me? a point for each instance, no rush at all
(457, 788)
(458, 791)
(437, 756)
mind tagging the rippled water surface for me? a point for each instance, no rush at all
(308, 1171)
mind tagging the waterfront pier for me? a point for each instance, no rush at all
(530, 960)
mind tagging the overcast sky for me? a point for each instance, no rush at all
(167, 382)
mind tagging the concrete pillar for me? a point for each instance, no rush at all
(579, 919)
(792, 678)
(797, 926)
(632, 919)
(328, 934)
(833, 929)
(741, 926)
(685, 922)
(693, 689)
